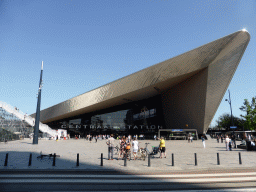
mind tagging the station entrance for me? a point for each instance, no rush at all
(178, 134)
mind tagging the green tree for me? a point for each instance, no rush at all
(250, 117)
(224, 121)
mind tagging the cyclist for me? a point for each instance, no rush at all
(162, 147)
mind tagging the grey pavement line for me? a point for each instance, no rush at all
(200, 180)
(133, 176)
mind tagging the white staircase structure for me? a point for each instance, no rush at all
(30, 120)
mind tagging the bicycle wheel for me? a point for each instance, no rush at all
(144, 155)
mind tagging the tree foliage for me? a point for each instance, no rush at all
(250, 117)
(225, 121)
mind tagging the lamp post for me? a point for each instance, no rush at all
(229, 101)
(36, 127)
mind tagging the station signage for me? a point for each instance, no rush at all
(176, 130)
(108, 127)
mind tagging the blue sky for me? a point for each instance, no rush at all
(88, 43)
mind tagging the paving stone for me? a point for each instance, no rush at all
(90, 153)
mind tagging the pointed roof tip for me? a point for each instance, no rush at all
(244, 30)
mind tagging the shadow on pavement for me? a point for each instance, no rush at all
(18, 164)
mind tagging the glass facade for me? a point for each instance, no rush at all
(140, 117)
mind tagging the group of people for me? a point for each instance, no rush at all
(125, 147)
(127, 144)
(229, 141)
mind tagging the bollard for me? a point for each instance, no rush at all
(77, 160)
(6, 160)
(30, 159)
(218, 159)
(195, 160)
(101, 160)
(125, 160)
(172, 159)
(54, 158)
(240, 159)
(149, 160)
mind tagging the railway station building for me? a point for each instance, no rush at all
(183, 92)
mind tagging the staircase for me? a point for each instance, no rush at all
(30, 120)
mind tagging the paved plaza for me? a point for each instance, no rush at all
(90, 153)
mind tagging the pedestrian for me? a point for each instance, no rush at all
(162, 147)
(90, 138)
(110, 143)
(154, 137)
(230, 143)
(135, 145)
(129, 138)
(203, 140)
(222, 138)
(123, 146)
(191, 138)
(188, 138)
(227, 143)
(218, 138)
(96, 138)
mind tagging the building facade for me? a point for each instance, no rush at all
(183, 92)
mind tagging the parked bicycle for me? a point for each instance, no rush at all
(144, 152)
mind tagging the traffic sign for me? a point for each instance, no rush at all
(233, 127)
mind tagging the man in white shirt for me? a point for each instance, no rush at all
(110, 143)
(227, 143)
(135, 145)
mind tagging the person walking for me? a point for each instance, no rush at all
(230, 143)
(135, 145)
(110, 143)
(162, 147)
(227, 143)
(203, 140)
(191, 138)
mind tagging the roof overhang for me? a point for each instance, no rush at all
(151, 81)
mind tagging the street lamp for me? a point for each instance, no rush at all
(229, 101)
(36, 126)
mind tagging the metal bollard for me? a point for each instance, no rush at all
(218, 159)
(77, 160)
(172, 159)
(240, 159)
(101, 160)
(125, 160)
(6, 160)
(54, 159)
(149, 157)
(195, 160)
(30, 159)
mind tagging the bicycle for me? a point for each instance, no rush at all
(143, 152)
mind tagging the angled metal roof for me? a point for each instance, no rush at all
(220, 57)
